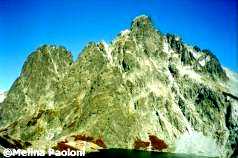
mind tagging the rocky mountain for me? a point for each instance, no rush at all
(145, 90)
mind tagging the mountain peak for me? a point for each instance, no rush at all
(142, 22)
(47, 55)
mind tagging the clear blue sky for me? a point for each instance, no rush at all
(27, 24)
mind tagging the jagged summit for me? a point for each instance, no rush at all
(203, 61)
(48, 55)
(142, 22)
(145, 90)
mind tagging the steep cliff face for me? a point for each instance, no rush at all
(145, 90)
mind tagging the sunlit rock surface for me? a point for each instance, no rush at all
(2, 96)
(144, 90)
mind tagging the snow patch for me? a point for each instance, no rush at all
(166, 48)
(125, 32)
(2, 96)
(204, 61)
(177, 38)
(108, 51)
(195, 54)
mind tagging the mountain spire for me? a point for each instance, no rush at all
(142, 22)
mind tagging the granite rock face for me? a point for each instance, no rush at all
(145, 90)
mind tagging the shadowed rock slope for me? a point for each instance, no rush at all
(144, 90)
